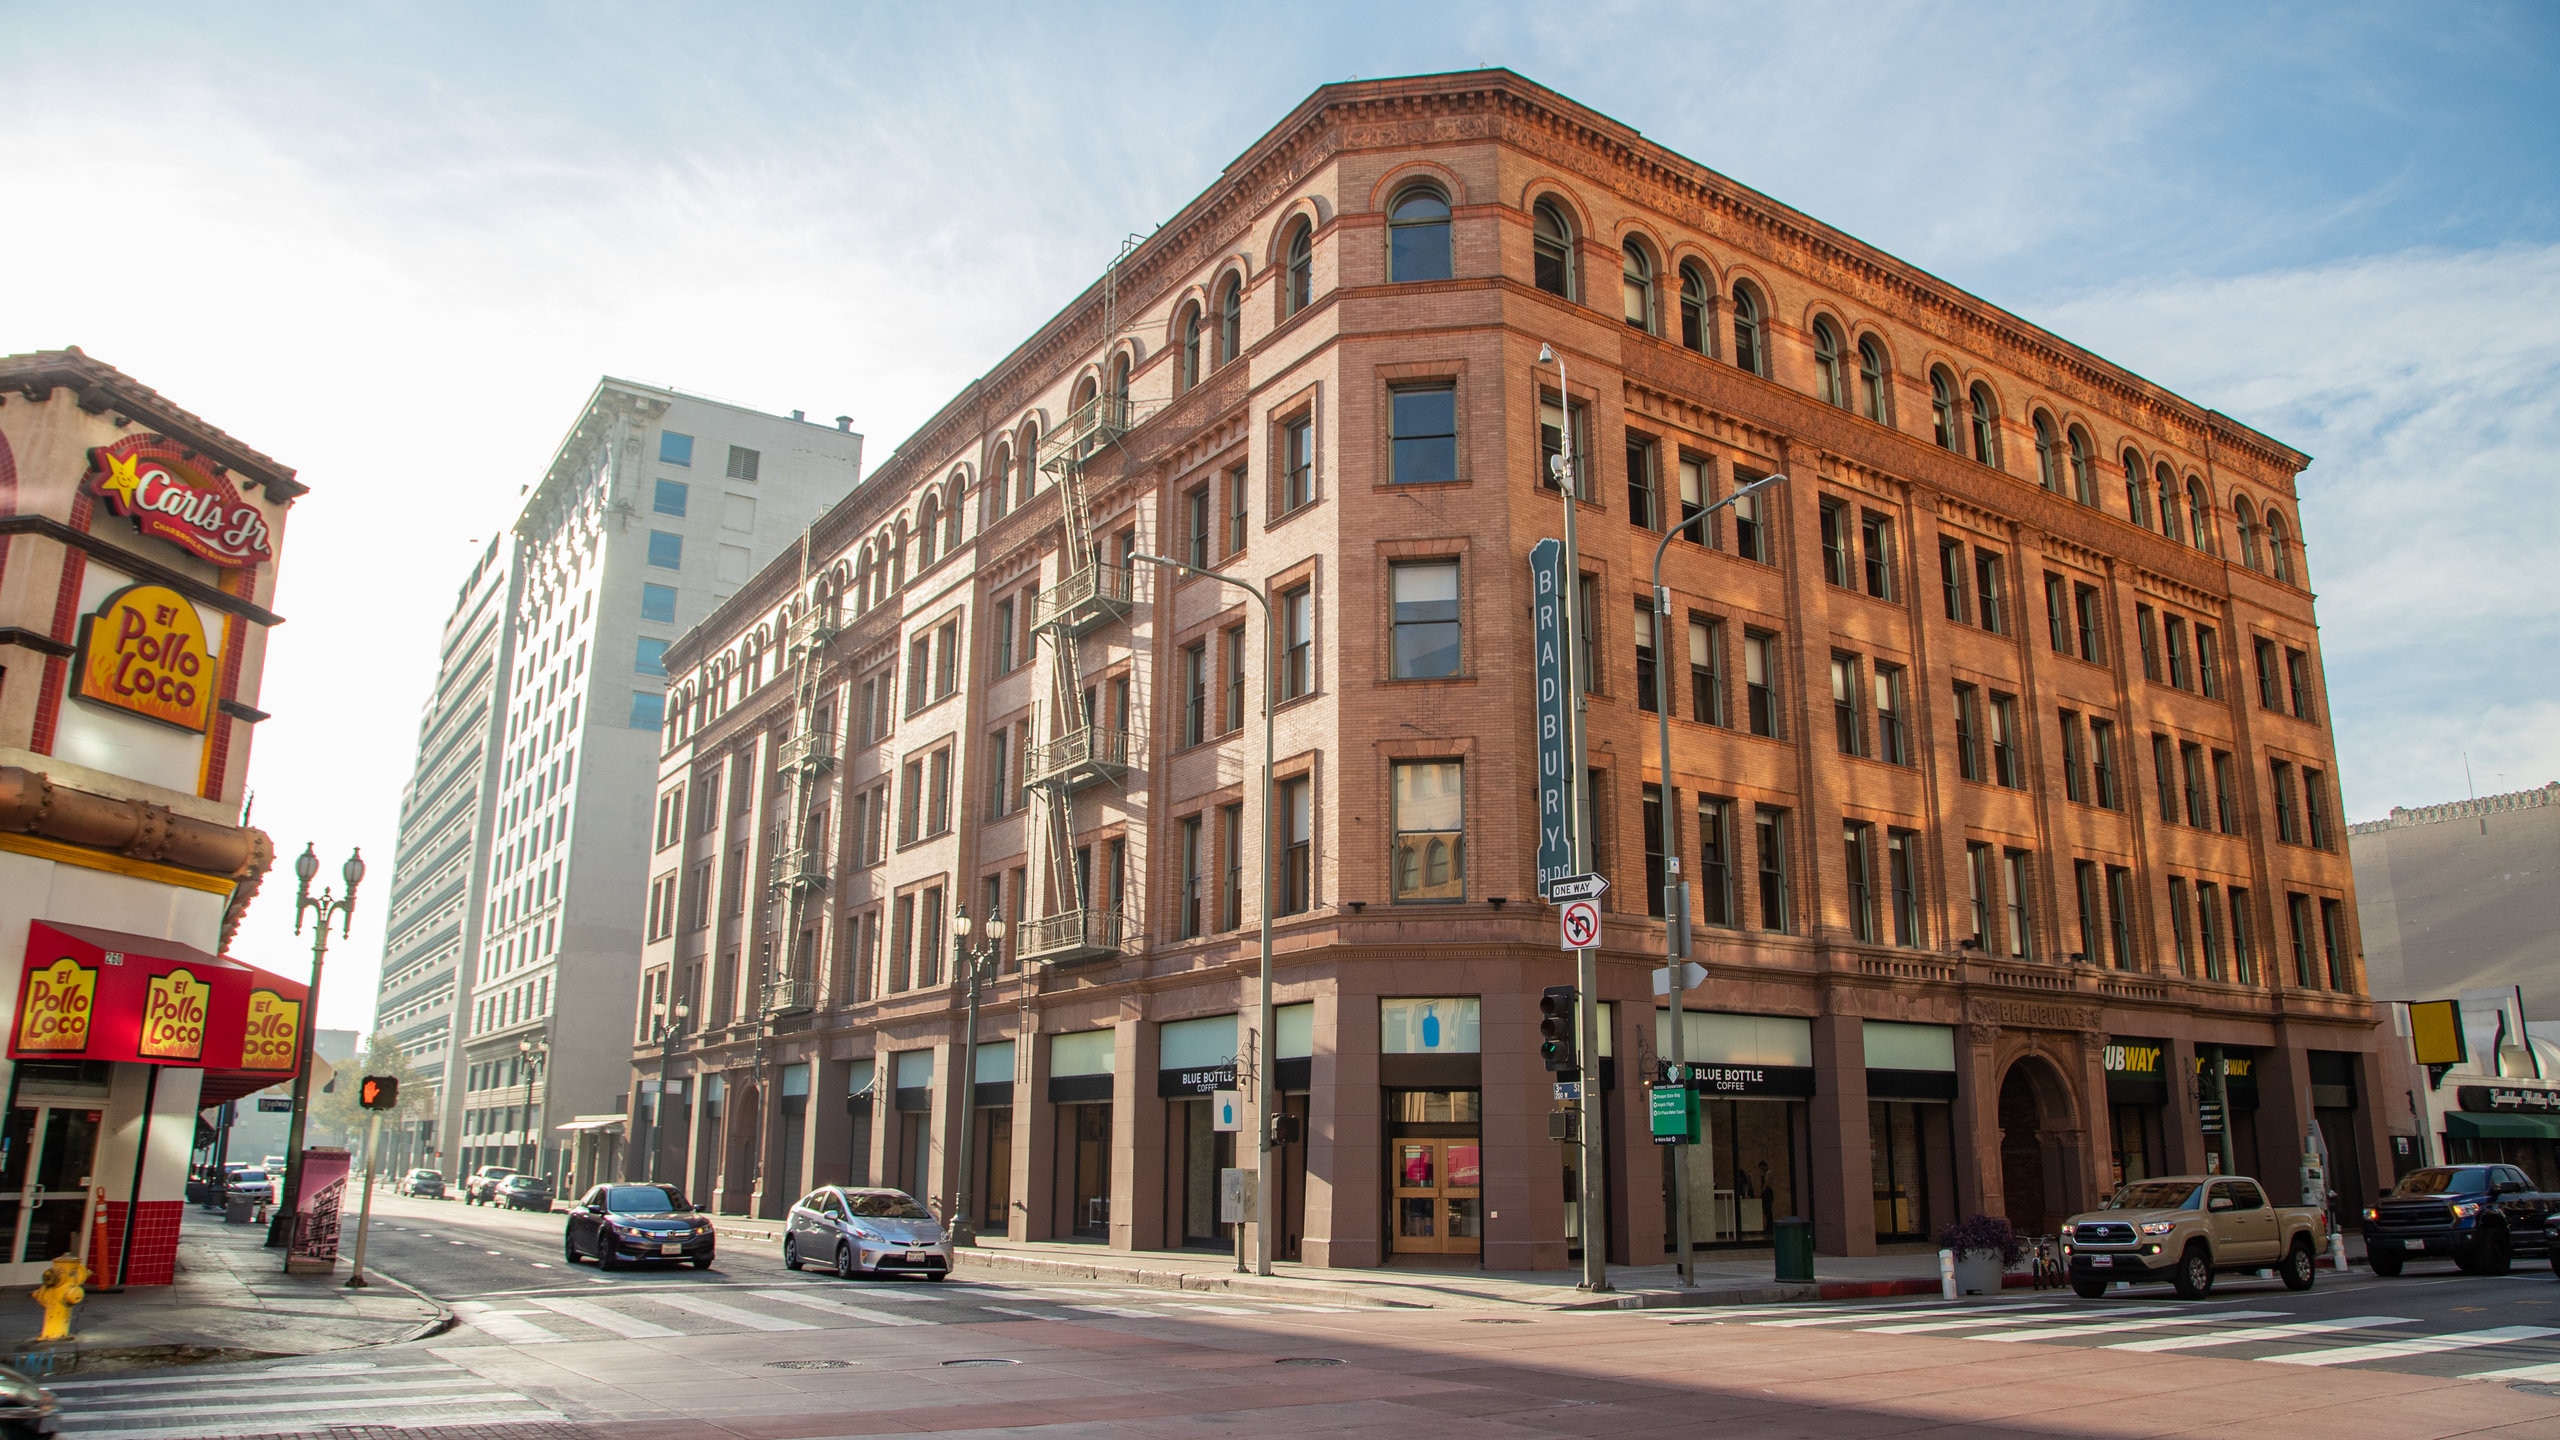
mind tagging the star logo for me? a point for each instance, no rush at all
(123, 479)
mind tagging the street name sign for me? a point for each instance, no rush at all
(1546, 589)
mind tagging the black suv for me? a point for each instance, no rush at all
(2479, 1216)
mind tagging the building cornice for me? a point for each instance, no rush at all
(101, 389)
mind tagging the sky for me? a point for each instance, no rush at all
(396, 245)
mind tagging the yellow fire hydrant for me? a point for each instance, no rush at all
(59, 1292)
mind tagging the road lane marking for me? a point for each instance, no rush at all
(2159, 1322)
(606, 1319)
(1118, 1312)
(267, 1407)
(714, 1310)
(2419, 1345)
(836, 1307)
(2251, 1333)
(1855, 1317)
(371, 1387)
(188, 1429)
(2518, 1372)
(1928, 1327)
(1018, 1314)
(507, 1325)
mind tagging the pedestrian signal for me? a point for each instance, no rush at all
(380, 1092)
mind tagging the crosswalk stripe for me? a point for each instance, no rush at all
(365, 1368)
(2518, 1372)
(1120, 1312)
(604, 1318)
(188, 1429)
(837, 1307)
(2157, 1322)
(289, 1396)
(1018, 1314)
(1313, 1309)
(504, 1325)
(2248, 1334)
(1928, 1327)
(1222, 1309)
(1852, 1317)
(2417, 1345)
(299, 1407)
(714, 1310)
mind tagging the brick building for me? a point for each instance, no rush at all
(2002, 765)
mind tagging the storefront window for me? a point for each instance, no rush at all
(1911, 1155)
(1436, 1171)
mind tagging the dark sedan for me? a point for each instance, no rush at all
(523, 1192)
(2478, 1216)
(617, 1224)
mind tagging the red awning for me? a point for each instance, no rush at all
(92, 994)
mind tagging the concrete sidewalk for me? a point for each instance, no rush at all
(231, 1301)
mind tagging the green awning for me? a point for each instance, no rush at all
(2480, 1125)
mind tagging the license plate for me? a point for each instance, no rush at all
(2102, 1260)
(2417, 1244)
(670, 1249)
(917, 1257)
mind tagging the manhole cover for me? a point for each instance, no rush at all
(1494, 1320)
(958, 1363)
(2535, 1387)
(1306, 1360)
(808, 1364)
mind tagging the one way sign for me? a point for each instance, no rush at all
(1578, 887)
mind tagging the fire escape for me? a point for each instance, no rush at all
(807, 758)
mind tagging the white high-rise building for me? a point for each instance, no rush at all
(657, 506)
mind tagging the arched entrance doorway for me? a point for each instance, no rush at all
(2035, 1110)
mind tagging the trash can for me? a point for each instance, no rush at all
(1795, 1251)
(240, 1210)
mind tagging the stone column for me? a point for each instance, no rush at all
(1137, 1134)
(829, 1129)
(1346, 1137)
(1844, 1216)
(1977, 1118)
(1035, 1136)
(2182, 1143)
(1520, 1162)
(2284, 1117)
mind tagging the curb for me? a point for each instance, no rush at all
(1255, 1286)
(443, 1320)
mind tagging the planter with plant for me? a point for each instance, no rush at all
(1985, 1246)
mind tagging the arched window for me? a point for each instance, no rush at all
(862, 581)
(999, 482)
(1828, 380)
(2279, 553)
(2048, 454)
(1749, 352)
(898, 559)
(1029, 473)
(1942, 405)
(1418, 236)
(1986, 425)
(1120, 381)
(1231, 319)
(1300, 292)
(1189, 370)
(2137, 499)
(2084, 468)
(2199, 515)
(928, 530)
(1636, 281)
(1695, 333)
(955, 515)
(1083, 394)
(1875, 379)
(2168, 499)
(1551, 249)
(2246, 519)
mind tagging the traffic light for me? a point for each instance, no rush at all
(1555, 1028)
(380, 1092)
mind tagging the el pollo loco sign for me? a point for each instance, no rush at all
(145, 651)
(97, 995)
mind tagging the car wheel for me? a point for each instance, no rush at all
(937, 1276)
(569, 1249)
(846, 1270)
(606, 1259)
(2496, 1255)
(2194, 1275)
(790, 1253)
(2300, 1269)
(702, 1261)
(2088, 1289)
(2386, 1260)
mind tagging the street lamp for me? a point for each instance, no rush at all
(977, 967)
(1675, 890)
(306, 868)
(1267, 1090)
(670, 1030)
(535, 1055)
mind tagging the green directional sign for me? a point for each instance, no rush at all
(1675, 1115)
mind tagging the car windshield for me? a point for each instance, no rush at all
(2155, 1195)
(252, 1176)
(885, 1205)
(524, 1182)
(2443, 1182)
(644, 1200)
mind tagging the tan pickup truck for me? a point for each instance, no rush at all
(2186, 1229)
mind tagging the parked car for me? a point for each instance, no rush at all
(481, 1188)
(2186, 1229)
(27, 1409)
(425, 1184)
(2479, 1216)
(256, 1184)
(618, 1224)
(523, 1192)
(866, 1232)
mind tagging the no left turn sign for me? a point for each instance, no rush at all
(1581, 924)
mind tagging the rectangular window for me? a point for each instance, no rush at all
(2333, 943)
(1551, 444)
(1231, 867)
(2075, 760)
(2288, 819)
(2181, 922)
(2315, 807)
(2270, 696)
(1978, 883)
(1003, 633)
(743, 463)
(675, 449)
(1656, 871)
(1187, 917)
(2243, 950)
(2146, 627)
(2181, 673)
(1991, 592)
(1425, 596)
(1430, 831)
(2208, 663)
(1837, 567)
(1239, 510)
(1715, 863)
(666, 551)
(1902, 877)
(2084, 886)
(946, 659)
(1297, 642)
(919, 671)
(1845, 684)
(1648, 673)
(650, 657)
(2165, 777)
(2008, 758)
(658, 603)
(2226, 794)
(999, 775)
(1022, 768)
(1297, 847)
(1875, 534)
(1893, 729)
(2057, 613)
(910, 801)
(2191, 770)
(1235, 678)
(1968, 731)
(938, 797)
(1693, 498)
(1771, 828)
(1297, 463)
(2092, 613)
(1195, 692)
(1195, 528)
(1706, 670)
(2297, 674)
(1760, 680)
(1586, 630)
(2120, 915)
(2298, 913)
(1952, 582)
(2102, 764)
(1644, 499)
(1425, 434)
(1750, 524)
(648, 712)
(669, 498)
(1857, 840)
(2022, 943)
(2209, 928)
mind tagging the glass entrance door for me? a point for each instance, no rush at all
(47, 1156)
(1439, 1188)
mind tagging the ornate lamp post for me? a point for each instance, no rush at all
(535, 1055)
(670, 1030)
(306, 868)
(975, 968)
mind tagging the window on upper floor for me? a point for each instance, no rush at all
(1187, 373)
(675, 449)
(1418, 235)
(669, 498)
(658, 602)
(1424, 444)
(2048, 454)
(1297, 463)
(2245, 521)
(650, 657)
(1697, 310)
(1750, 335)
(1551, 444)
(1986, 426)
(2168, 481)
(666, 551)
(1830, 365)
(2084, 468)
(1429, 797)
(1230, 319)
(743, 463)
(1636, 286)
(1551, 249)
(1297, 642)
(1644, 485)
(2279, 550)
(1942, 410)
(1425, 597)
(1298, 289)
(2137, 496)
(2199, 515)
(1751, 539)
(1875, 381)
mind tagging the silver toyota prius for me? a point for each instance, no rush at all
(858, 1231)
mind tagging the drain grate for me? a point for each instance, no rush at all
(808, 1364)
(2535, 1387)
(953, 1364)
(1494, 1320)
(1306, 1360)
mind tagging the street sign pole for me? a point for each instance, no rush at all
(364, 1217)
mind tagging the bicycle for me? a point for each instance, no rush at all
(2051, 1273)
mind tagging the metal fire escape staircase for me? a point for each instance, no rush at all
(807, 758)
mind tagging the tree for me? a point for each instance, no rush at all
(338, 1112)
